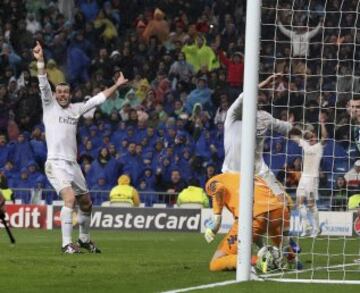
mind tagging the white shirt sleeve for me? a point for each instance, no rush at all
(234, 109)
(92, 103)
(45, 90)
(282, 127)
(284, 30)
(312, 33)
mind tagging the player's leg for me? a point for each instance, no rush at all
(314, 216)
(60, 179)
(84, 216)
(225, 257)
(66, 214)
(259, 227)
(302, 208)
(85, 208)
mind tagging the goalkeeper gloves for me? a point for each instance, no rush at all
(212, 227)
(209, 235)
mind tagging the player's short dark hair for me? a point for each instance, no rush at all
(63, 84)
(356, 97)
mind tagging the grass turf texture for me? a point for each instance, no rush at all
(130, 262)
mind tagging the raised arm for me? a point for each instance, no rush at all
(324, 132)
(284, 30)
(45, 89)
(312, 33)
(295, 134)
(269, 80)
(102, 96)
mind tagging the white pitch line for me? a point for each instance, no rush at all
(306, 270)
(269, 277)
(202, 287)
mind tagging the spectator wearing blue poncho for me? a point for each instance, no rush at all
(33, 171)
(205, 147)
(100, 190)
(148, 195)
(95, 137)
(149, 176)
(104, 164)
(38, 145)
(6, 150)
(89, 8)
(182, 163)
(119, 134)
(23, 182)
(151, 135)
(88, 149)
(22, 151)
(202, 95)
(77, 66)
(10, 172)
(132, 162)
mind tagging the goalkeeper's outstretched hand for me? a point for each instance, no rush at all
(212, 227)
(209, 235)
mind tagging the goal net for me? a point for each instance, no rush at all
(316, 46)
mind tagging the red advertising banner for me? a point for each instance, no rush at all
(356, 224)
(26, 216)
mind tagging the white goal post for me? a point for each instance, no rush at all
(252, 36)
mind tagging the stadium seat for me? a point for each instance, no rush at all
(159, 205)
(105, 204)
(121, 204)
(190, 205)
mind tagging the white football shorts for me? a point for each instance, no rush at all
(271, 181)
(308, 187)
(62, 173)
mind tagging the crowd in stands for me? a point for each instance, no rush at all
(184, 60)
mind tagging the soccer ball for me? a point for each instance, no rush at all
(269, 259)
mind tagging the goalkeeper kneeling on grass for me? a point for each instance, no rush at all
(270, 215)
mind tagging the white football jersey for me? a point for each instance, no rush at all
(312, 158)
(232, 136)
(61, 123)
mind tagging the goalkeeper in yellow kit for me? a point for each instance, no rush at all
(270, 215)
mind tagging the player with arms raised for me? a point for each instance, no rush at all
(307, 190)
(232, 139)
(60, 119)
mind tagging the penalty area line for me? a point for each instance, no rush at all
(212, 285)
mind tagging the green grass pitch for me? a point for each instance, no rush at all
(130, 262)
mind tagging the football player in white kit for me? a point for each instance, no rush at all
(232, 139)
(232, 145)
(60, 119)
(307, 190)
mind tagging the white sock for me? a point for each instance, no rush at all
(314, 218)
(84, 225)
(304, 215)
(66, 225)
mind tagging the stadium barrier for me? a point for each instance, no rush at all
(165, 219)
